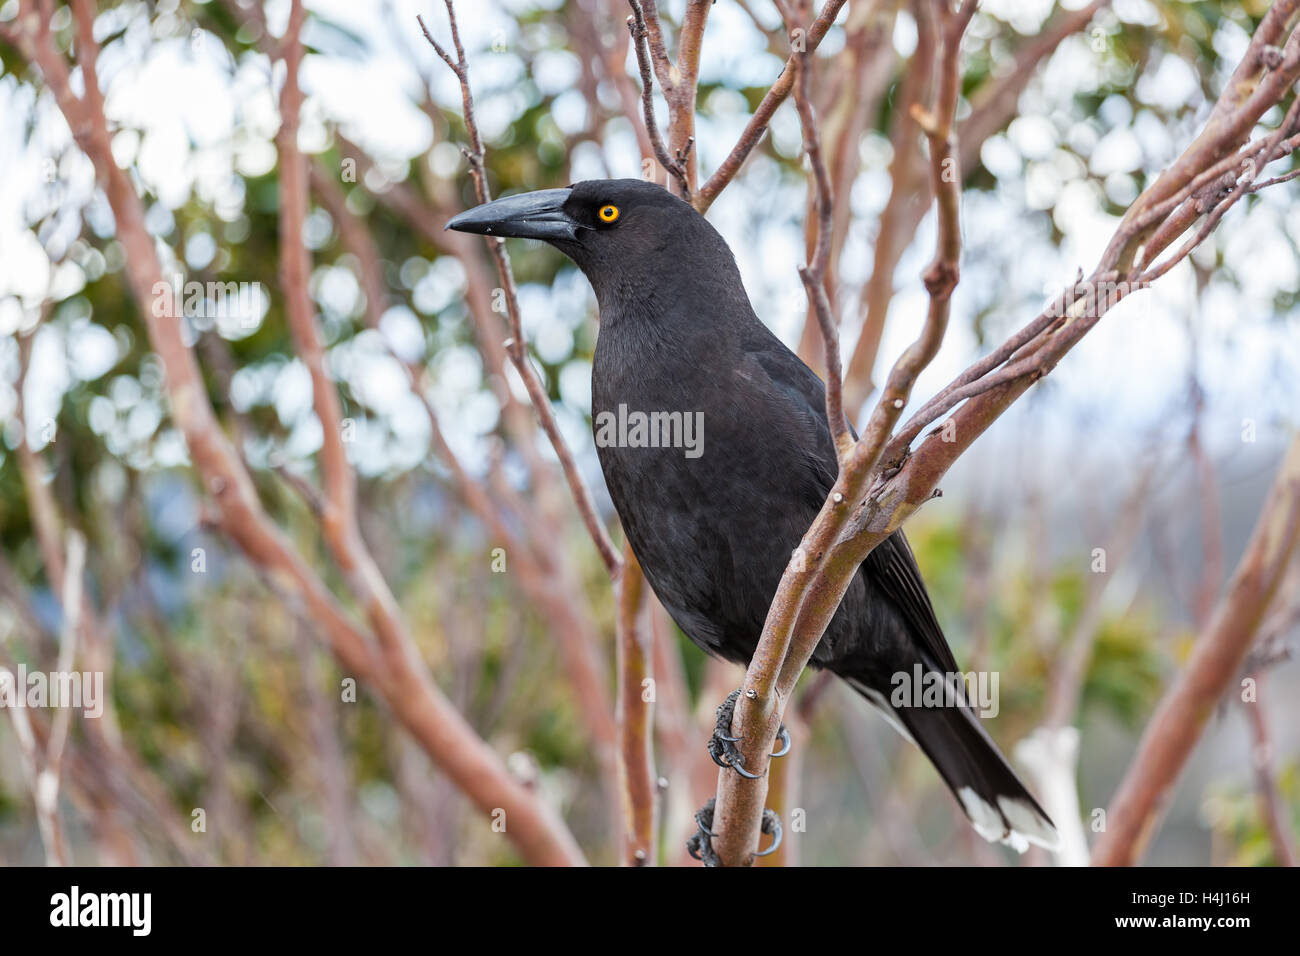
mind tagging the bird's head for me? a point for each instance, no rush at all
(618, 231)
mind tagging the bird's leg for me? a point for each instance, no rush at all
(700, 846)
(722, 746)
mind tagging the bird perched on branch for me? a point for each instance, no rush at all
(713, 521)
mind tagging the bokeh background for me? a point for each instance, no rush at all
(1155, 440)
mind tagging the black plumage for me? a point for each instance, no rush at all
(714, 531)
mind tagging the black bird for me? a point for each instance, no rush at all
(713, 521)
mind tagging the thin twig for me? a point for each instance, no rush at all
(814, 273)
(1272, 807)
(993, 105)
(515, 345)
(758, 123)
(675, 166)
(1272, 148)
(51, 776)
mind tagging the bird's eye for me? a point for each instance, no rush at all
(608, 213)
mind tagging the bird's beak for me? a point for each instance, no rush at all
(535, 215)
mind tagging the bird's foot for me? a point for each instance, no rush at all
(700, 845)
(722, 745)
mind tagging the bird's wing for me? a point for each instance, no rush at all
(893, 570)
(892, 565)
(805, 407)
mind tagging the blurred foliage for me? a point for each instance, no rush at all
(1127, 667)
(1234, 815)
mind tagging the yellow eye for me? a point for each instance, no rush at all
(608, 213)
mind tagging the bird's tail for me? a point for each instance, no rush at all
(998, 805)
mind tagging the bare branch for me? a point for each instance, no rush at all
(865, 68)
(515, 345)
(1272, 807)
(634, 718)
(1272, 149)
(757, 124)
(47, 788)
(636, 26)
(880, 487)
(810, 589)
(909, 197)
(1216, 661)
(51, 828)
(398, 674)
(681, 128)
(993, 105)
(1210, 190)
(814, 273)
(663, 65)
(1256, 85)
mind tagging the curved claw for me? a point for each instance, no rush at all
(718, 755)
(700, 822)
(771, 824)
(783, 735)
(722, 745)
(700, 845)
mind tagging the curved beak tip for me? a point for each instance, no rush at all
(535, 215)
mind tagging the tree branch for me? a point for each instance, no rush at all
(675, 166)
(635, 720)
(535, 548)
(813, 275)
(879, 487)
(400, 678)
(757, 124)
(515, 345)
(1272, 807)
(1216, 661)
(993, 105)
(811, 588)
